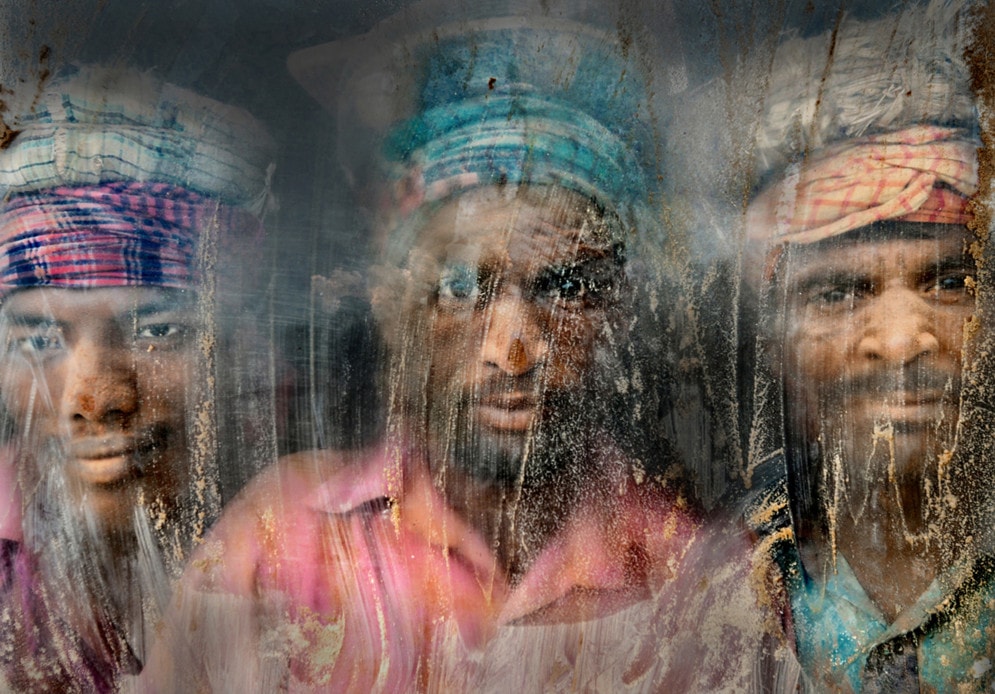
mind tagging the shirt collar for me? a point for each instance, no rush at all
(583, 570)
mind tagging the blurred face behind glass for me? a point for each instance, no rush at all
(515, 290)
(873, 334)
(96, 381)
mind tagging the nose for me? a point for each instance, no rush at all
(100, 386)
(900, 329)
(513, 341)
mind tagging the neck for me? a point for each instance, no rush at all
(890, 553)
(886, 529)
(517, 518)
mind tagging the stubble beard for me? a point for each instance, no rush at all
(509, 459)
(860, 470)
(92, 574)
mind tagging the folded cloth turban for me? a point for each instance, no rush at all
(115, 178)
(920, 174)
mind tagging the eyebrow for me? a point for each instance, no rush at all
(29, 320)
(807, 279)
(961, 261)
(157, 307)
(34, 319)
(833, 277)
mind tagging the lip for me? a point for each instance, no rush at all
(106, 460)
(506, 412)
(919, 408)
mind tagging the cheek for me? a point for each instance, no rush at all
(30, 392)
(816, 355)
(163, 382)
(951, 333)
(454, 342)
(573, 340)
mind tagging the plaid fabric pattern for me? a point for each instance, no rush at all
(115, 234)
(99, 124)
(921, 174)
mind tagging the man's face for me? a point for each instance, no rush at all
(519, 289)
(96, 380)
(873, 334)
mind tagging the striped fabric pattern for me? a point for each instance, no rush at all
(920, 174)
(101, 124)
(115, 234)
(513, 138)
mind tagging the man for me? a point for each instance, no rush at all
(499, 500)
(868, 273)
(104, 329)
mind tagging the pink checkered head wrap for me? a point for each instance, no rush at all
(920, 174)
(111, 235)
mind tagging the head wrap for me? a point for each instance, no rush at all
(114, 178)
(113, 234)
(516, 139)
(94, 124)
(495, 98)
(920, 174)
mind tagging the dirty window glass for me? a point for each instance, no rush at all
(448, 346)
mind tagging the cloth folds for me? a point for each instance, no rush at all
(920, 174)
(115, 234)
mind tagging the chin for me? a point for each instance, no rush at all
(492, 458)
(109, 511)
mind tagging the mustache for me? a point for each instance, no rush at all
(906, 385)
(502, 386)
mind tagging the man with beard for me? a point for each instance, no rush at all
(114, 182)
(866, 270)
(864, 259)
(498, 499)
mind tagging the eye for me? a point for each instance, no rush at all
(569, 287)
(36, 343)
(459, 283)
(160, 330)
(837, 295)
(951, 287)
(571, 284)
(164, 335)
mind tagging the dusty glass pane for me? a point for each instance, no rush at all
(449, 346)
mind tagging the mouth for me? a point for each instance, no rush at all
(905, 409)
(506, 412)
(109, 460)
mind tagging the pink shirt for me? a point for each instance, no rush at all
(10, 497)
(315, 578)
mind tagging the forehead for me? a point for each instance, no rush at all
(82, 304)
(888, 248)
(551, 225)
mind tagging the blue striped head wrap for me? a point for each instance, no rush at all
(494, 99)
(513, 139)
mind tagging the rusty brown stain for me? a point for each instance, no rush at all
(982, 68)
(7, 133)
(44, 53)
(86, 403)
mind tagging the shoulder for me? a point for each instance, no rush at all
(279, 512)
(327, 481)
(10, 496)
